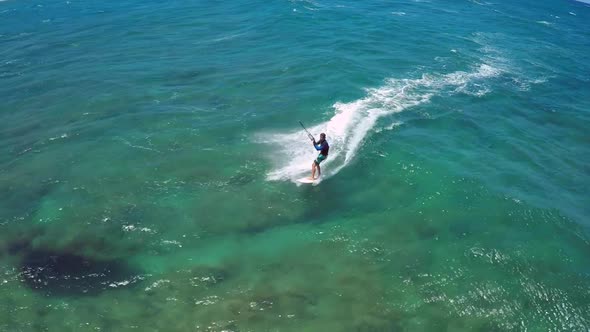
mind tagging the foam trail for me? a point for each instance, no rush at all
(349, 127)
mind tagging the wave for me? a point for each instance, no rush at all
(353, 121)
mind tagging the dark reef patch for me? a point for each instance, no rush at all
(69, 274)
(19, 199)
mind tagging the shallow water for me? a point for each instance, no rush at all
(148, 152)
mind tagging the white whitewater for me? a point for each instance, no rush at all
(353, 121)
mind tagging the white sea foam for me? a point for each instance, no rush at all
(223, 38)
(525, 84)
(353, 121)
(544, 22)
(389, 127)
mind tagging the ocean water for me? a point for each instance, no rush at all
(148, 152)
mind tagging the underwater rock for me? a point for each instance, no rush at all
(63, 273)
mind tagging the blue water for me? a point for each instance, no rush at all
(149, 153)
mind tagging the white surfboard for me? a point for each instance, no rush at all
(307, 180)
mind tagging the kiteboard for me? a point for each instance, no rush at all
(307, 180)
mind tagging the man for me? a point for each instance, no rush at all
(323, 147)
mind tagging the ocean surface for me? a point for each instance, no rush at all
(149, 152)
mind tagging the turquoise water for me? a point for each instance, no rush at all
(149, 152)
